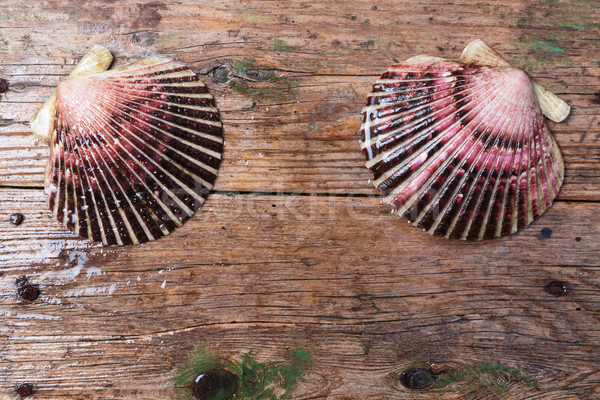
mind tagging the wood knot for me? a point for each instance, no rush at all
(221, 74)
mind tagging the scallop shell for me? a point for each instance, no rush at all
(134, 151)
(461, 148)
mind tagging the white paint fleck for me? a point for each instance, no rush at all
(91, 271)
(76, 258)
(38, 316)
(28, 316)
(163, 284)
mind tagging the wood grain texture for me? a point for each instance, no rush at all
(294, 248)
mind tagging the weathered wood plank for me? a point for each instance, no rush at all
(366, 293)
(299, 127)
(312, 146)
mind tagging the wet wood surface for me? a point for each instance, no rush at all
(293, 248)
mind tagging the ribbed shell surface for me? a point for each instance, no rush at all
(461, 151)
(134, 152)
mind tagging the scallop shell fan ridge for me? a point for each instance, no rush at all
(134, 152)
(461, 150)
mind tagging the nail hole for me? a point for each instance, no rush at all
(216, 384)
(25, 389)
(417, 378)
(556, 288)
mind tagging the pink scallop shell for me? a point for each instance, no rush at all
(462, 151)
(134, 152)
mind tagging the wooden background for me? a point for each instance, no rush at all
(293, 248)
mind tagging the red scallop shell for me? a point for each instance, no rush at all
(134, 152)
(461, 150)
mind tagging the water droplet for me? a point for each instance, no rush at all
(26, 290)
(546, 233)
(556, 288)
(17, 218)
(417, 378)
(216, 384)
(25, 389)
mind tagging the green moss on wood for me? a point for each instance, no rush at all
(242, 65)
(336, 53)
(591, 42)
(537, 44)
(491, 378)
(252, 16)
(536, 61)
(522, 22)
(202, 361)
(572, 25)
(246, 68)
(280, 45)
(257, 380)
(588, 4)
(274, 90)
(379, 45)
